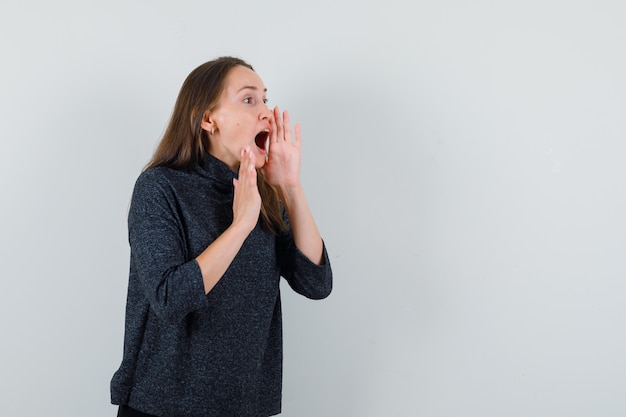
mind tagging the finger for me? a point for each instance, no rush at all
(242, 162)
(252, 167)
(244, 166)
(273, 131)
(280, 133)
(287, 126)
(242, 159)
(298, 133)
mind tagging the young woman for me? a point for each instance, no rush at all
(216, 218)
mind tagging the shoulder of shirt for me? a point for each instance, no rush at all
(160, 180)
(161, 175)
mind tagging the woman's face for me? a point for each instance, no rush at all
(241, 118)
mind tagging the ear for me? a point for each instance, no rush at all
(207, 123)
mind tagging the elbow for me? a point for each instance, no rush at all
(321, 294)
(178, 292)
(164, 310)
(325, 289)
(320, 289)
(167, 306)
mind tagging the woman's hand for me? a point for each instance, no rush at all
(247, 200)
(217, 257)
(282, 168)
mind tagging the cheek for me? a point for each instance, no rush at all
(235, 124)
(231, 130)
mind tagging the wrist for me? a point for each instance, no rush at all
(293, 199)
(240, 229)
(289, 192)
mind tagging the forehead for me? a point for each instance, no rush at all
(240, 77)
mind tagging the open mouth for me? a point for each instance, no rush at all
(261, 139)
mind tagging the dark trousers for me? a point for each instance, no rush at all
(126, 411)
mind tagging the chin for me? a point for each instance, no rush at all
(260, 162)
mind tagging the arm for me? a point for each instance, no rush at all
(161, 267)
(305, 277)
(173, 282)
(283, 171)
(305, 233)
(217, 257)
(302, 254)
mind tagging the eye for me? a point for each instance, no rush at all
(252, 100)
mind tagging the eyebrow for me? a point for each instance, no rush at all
(250, 87)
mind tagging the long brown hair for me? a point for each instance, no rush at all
(185, 143)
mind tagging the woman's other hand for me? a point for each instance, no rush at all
(282, 168)
(247, 200)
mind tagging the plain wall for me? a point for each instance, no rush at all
(464, 160)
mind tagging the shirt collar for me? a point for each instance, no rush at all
(215, 169)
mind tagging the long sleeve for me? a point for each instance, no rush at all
(195, 354)
(304, 276)
(168, 274)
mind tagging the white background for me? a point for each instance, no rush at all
(464, 160)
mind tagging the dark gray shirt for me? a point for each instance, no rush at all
(187, 353)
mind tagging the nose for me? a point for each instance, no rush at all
(265, 113)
